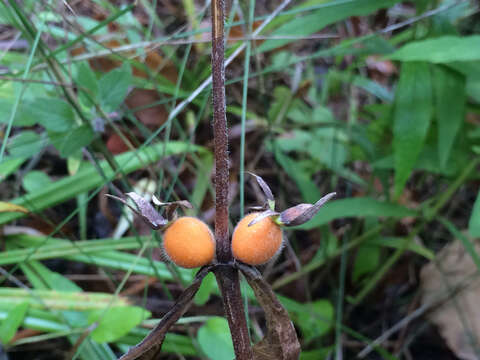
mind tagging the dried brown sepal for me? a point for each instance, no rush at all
(144, 209)
(265, 188)
(302, 213)
(281, 342)
(263, 215)
(259, 208)
(182, 203)
(171, 207)
(150, 347)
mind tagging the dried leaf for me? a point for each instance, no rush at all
(263, 215)
(172, 206)
(145, 210)
(265, 188)
(9, 207)
(150, 347)
(281, 341)
(452, 280)
(302, 213)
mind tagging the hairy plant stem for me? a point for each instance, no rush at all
(227, 276)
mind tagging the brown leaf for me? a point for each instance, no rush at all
(452, 281)
(150, 347)
(303, 213)
(145, 107)
(145, 210)
(281, 341)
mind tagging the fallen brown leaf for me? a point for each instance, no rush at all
(458, 317)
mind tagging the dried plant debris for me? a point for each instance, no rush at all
(147, 212)
(294, 216)
(281, 342)
(452, 281)
(302, 213)
(151, 346)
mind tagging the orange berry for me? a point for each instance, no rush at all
(189, 243)
(256, 244)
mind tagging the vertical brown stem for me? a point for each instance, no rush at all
(227, 276)
(220, 133)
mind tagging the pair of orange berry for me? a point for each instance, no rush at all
(190, 243)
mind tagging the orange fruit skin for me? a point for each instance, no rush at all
(256, 244)
(189, 243)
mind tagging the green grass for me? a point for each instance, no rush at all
(385, 116)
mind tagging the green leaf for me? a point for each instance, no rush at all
(67, 143)
(206, 288)
(113, 87)
(318, 354)
(356, 207)
(399, 243)
(54, 114)
(88, 178)
(440, 50)
(9, 166)
(412, 115)
(116, 322)
(25, 144)
(307, 187)
(88, 82)
(215, 340)
(474, 222)
(35, 180)
(13, 321)
(450, 100)
(331, 12)
(25, 115)
(366, 261)
(316, 319)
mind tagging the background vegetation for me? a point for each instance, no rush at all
(377, 100)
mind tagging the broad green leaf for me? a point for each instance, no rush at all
(68, 143)
(113, 87)
(356, 207)
(35, 180)
(54, 114)
(9, 166)
(10, 325)
(474, 222)
(450, 99)
(215, 340)
(331, 12)
(25, 115)
(25, 144)
(443, 49)
(116, 322)
(412, 115)
(88, 82)
(316, 319)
